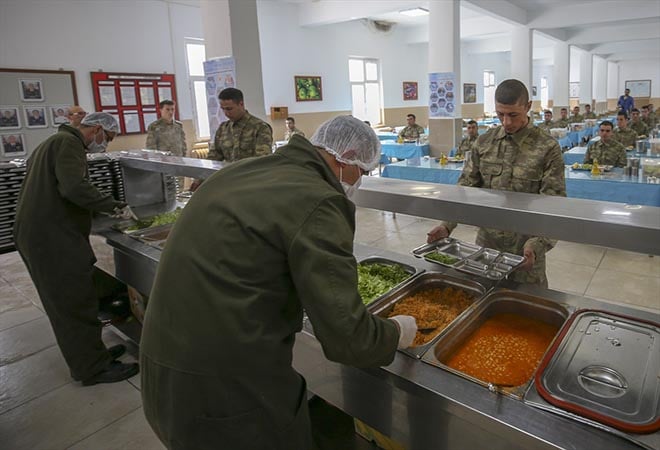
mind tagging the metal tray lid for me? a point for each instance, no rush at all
(605, 367)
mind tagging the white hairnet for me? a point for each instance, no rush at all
(350, 140)
(108, 122)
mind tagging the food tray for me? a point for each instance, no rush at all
(582, 168)
(491, 264)
(425, 281)
(412, 271)
(448, 247)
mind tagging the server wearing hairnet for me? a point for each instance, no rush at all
(53, 222)
(219, 331)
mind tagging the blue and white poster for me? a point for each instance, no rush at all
(442, 94)
(220, 73)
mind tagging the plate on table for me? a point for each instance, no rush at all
(455, 159)
(588, 167)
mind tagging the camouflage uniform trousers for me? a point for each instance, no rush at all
(411, 132)
(249, 136)
(611, 153)
(627, 136)
(527, 161)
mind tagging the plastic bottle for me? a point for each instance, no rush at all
(595, 169)
(443, 160)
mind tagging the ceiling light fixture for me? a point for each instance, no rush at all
(415, 12)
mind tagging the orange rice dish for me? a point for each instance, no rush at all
(505, 350)
(433, 309)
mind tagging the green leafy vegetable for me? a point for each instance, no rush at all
(441, 258)
(376, 279)
(160, 219)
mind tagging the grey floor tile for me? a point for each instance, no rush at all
(13, 317)
(66, 415)
(11, 299)
(131, 432)
(586, 255)
(620, 287)
(398, 242)
(24, 340)
(637, 263)
(367, 235)
(32, 377)
(568, 277)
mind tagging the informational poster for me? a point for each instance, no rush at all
(442, 94)
(220, 73)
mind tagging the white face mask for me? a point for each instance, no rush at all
(349, 189)
(93, 147)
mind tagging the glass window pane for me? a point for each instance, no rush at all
(357, 91)
(492, 78)
(196, 54)
(486, 79)
(202, 115)
(355, 70)
(372, 103)
(372, 71)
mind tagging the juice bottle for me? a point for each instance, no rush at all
(595, 170)
(443, 160)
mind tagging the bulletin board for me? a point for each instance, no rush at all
(133, 98)
(33, 104)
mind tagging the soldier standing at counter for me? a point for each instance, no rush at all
(219, 331)
(53, 222)
(607, 150)
(519, 157)
(412, 130)
(623, 133)
(166, 134)
(471, 138)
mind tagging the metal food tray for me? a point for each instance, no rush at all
(428, 280)
(499, 301)
(413, 271)
(449, 247)
(491, 264)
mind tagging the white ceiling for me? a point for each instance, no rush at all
(616, 30)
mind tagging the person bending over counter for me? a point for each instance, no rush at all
(515, 156)
(225, 308)
(607, 150)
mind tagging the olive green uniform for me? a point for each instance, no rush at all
(590, 115)
(465, 145)
(611, 153)
(219, 331)
(527, 161)
(290, 133)
(249, 136)
(411, 132)
(576, 118)
(167, 137)
(53, 222)
(561, 123)
(641, 128)
(626, 136)
(652, 120)
(547, 125)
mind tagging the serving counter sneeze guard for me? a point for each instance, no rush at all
(424, 406)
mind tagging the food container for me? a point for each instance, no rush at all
(491, 264)
(590, 123)
(153, 236)
(453, 250)
(425, 282)
(605, 367)
(547, 317)
(410, 270)
(558, 133)
(576, 126)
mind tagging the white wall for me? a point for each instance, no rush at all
(574, 64)
(539, 71)
(599, 78)
(84, 36)
(648, 69)
(473, 66)
(613, 80)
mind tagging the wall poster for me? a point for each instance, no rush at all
(442, 95)
(220, 73)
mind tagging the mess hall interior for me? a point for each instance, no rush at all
(327, 224)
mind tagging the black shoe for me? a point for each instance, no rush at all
(117, 350)
(116, 371)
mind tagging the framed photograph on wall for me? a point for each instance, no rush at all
(59, 114)
(469, 92)
(534, 91)
(308, 88)
(639, 88)
(31, 89)
(574, 89)
(12, 145)
(410, 91)
(35, 116)
(10, 119)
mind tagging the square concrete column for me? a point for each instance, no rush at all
(521, 55)
(586, 71)
(560, 77)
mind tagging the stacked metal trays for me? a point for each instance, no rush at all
(472, 259)
(11, 178)
(499, 301)
(425, 281)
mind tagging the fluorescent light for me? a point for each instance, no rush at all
(415, 12)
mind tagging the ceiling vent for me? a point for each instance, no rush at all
(379, 26)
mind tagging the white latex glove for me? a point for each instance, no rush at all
(407, 330)
(125, 213)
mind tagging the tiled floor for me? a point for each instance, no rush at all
(42, 408)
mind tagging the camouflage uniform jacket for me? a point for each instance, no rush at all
(640, 127)
(547, 125)
(627, 136)
(166, 137)
(652, 120)
(590, 115)
(249, 136)
(576, 119)
(561, 123)
(290, 133)
(527, 161)
(411, 132)
(611, 153)
(465, 145)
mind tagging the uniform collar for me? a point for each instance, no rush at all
(519, 135)
(243, 120)
(72, 130)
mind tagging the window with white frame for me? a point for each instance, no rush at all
(364, 75)
(544, 92)
(195, 57)
(489, 92)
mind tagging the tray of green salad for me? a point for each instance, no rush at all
(378, 276)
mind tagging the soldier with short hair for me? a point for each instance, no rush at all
(640, 127)
(469, 140)
(547, 121)
(563, 121)
(166, 134)
(607, 150)
(291, 129)
(412, 130)
(243, 135)
(588, 114)
(623, 133)
(576, 117)
(649, 119)
(515, 156)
